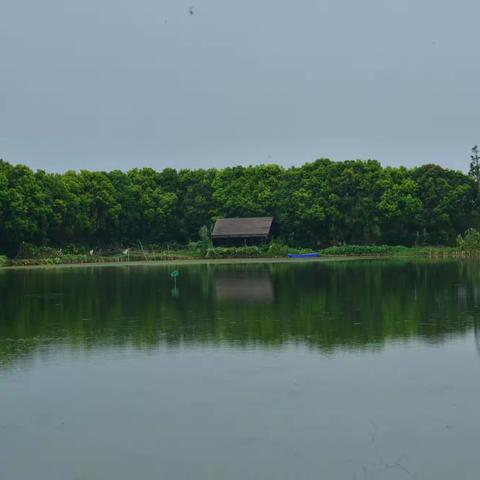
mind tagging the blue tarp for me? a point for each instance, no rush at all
(303, 255)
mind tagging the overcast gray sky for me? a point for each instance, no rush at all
(104, 84)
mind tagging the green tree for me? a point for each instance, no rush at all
(321, 203)
(204, 242)
(448, 202)
(154, 208)
(23, 213)
(474, 171)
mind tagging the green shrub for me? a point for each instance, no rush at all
(236, 252)
(470, 242)
(364, 250)
(277, 249)
(299, 250)
(28, 250)
(192, 247)
(389, 250)
(3, 259)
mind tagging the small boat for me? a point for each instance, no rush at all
(303, 255)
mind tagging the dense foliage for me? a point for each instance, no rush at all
(470, 241)
(319, 204)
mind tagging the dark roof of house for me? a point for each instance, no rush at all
(242, 227)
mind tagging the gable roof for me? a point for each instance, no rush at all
(242, 227)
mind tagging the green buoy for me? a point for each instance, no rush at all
(174, 275)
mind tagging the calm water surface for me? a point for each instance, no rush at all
(345, 370)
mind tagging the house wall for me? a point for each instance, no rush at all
(239, 242)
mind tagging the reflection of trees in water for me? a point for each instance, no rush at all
(339, 305)
(476, 329)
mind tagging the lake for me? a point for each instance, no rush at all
(331, 370)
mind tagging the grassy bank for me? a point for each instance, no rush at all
(46, 256)
(392, 251)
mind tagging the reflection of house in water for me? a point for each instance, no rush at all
(241, 286)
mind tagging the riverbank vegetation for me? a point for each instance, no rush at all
(318, 205)
(51, 256)
(392, 251)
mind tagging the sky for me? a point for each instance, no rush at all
(117, 84)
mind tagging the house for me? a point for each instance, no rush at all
(243, 231)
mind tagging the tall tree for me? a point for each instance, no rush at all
(475, 165)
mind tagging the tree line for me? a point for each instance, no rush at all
(319, 204)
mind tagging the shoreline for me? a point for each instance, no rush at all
(226, 261)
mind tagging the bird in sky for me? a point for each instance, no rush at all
(191, 11)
